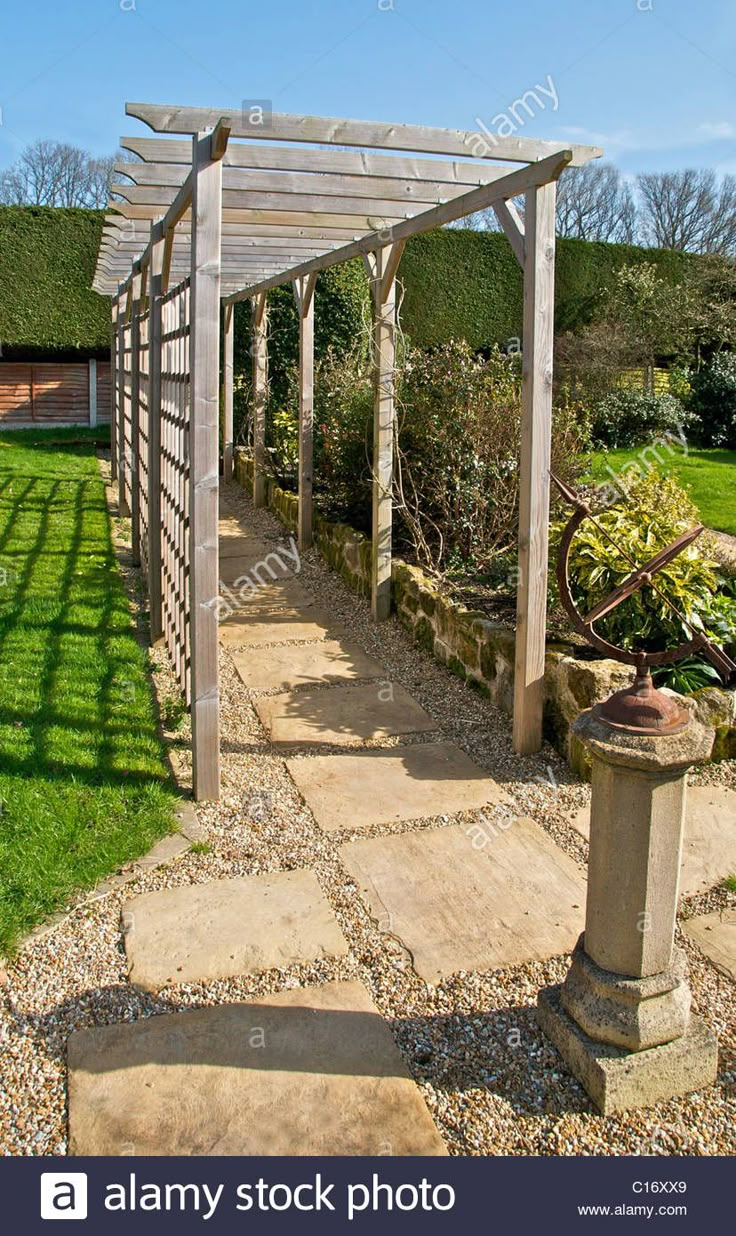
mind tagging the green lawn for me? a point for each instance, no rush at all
(83, 782)
(710, 474)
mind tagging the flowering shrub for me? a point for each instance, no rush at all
(655, 513)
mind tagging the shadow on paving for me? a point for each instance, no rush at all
(501, 1052)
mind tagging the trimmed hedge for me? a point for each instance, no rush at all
(341, 314)
(461, 284)
(458, 284)
(47, 262)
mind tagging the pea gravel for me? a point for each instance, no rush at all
(492, 1082)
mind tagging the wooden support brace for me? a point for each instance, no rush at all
(228, 381)
(204, 467)
(304, 296)
(513, 225)
(534, 466)
(382, 266)
(259, 347)
(154, 434)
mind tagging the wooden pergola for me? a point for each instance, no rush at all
(247, 203)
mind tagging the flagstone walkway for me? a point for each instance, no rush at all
(488, 892)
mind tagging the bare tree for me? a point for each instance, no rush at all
(720, 233)
(594, 202)
(56, 174)
(688, 210)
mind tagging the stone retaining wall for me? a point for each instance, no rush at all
(479, 651)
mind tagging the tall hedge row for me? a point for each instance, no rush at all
(457, 284)
(341, 313)
(47, 262)
(462, 284)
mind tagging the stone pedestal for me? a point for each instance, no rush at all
(621, 1019)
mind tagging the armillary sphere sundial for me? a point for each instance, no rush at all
(639, 708)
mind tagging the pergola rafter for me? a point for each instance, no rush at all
(248, 203)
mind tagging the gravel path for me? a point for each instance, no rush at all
(492, 1083)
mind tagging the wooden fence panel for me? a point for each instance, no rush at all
(45, 393)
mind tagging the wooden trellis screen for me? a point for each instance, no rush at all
(141, 457)
(309, 193)
(125, 405)
(175, 411)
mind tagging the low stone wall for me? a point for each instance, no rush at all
(479, 651)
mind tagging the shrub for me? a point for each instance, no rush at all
(284, 450)
(343, 435)
(341, 310)
(713, 400)
(341, 326)
(631, 418)
(458, 428)
(457, 477)
(657, 511)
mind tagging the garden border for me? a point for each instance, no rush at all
(480, 651)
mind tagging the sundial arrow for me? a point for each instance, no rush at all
(643, 575)
(567, 492)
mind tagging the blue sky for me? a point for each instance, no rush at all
(653, 81)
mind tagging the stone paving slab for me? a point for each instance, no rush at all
(298, 665)
(709, 843)
(310, 1071)
(471, 897)
(201, 932)
(256, 566)
(240, 544)
(406, 783)
(268, 599)
(257, 630)
(715, 934)
(342, 715)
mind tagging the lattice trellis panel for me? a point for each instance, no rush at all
(114, 398)
(175, 415)
(125, 428)
(143, 430)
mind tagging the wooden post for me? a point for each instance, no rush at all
(154, 434)
(135, 377)
(304, 296)
(259, 346)
(204, 464)
(382, 267)
(536, 434)
(92, 379)
(228, 375)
